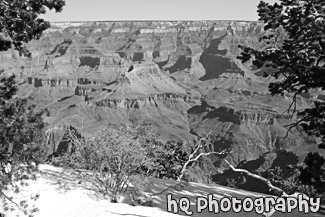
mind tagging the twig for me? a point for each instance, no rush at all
(255, 176)
(13, 202)
(295, 124)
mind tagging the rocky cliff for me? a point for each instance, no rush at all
(182, 75)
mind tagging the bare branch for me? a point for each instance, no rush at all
(206, 154)
(293, 103)
(255, 176)
(192, 157)
(11, 201)
(271, 186)
(295, 124)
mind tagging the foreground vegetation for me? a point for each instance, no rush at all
(119, 160)
(21, 125)
(292, 52)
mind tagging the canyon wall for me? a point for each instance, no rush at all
(182, 75)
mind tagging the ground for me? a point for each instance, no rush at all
(63, 195)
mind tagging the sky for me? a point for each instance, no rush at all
(107, 10)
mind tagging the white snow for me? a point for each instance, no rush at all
(61, 195)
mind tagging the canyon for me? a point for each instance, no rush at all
(184, 76)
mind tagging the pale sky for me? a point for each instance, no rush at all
(106, 10)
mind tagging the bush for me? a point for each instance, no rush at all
(21, 137)
(118, 160)
(168, 160)
(307, 178)
(20, 125)
(231, 183)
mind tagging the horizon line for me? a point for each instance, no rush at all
(150, 21)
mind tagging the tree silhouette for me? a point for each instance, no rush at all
(293, 52)
(20, 22)
(21, 125)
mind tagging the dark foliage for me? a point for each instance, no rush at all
(21, 126)
(308, 178)
(293, 51)
(313, 172)
(20, 22)
(168, 161)
(21, 137)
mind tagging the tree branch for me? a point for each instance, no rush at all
(255, 176)
(205, 154)
(271, 186)
(295, 124)
(191, 158)
(11, 201)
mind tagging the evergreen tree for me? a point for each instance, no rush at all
(21, 126)
(20, 22)
(293, 52)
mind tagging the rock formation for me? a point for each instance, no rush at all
(182, 75)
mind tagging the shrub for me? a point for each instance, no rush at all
(231, 183)
(20, 125)
(114, 159)
(307, 178)
(21, 137)
(168, 160)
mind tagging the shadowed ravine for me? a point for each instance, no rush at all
(182, 76)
